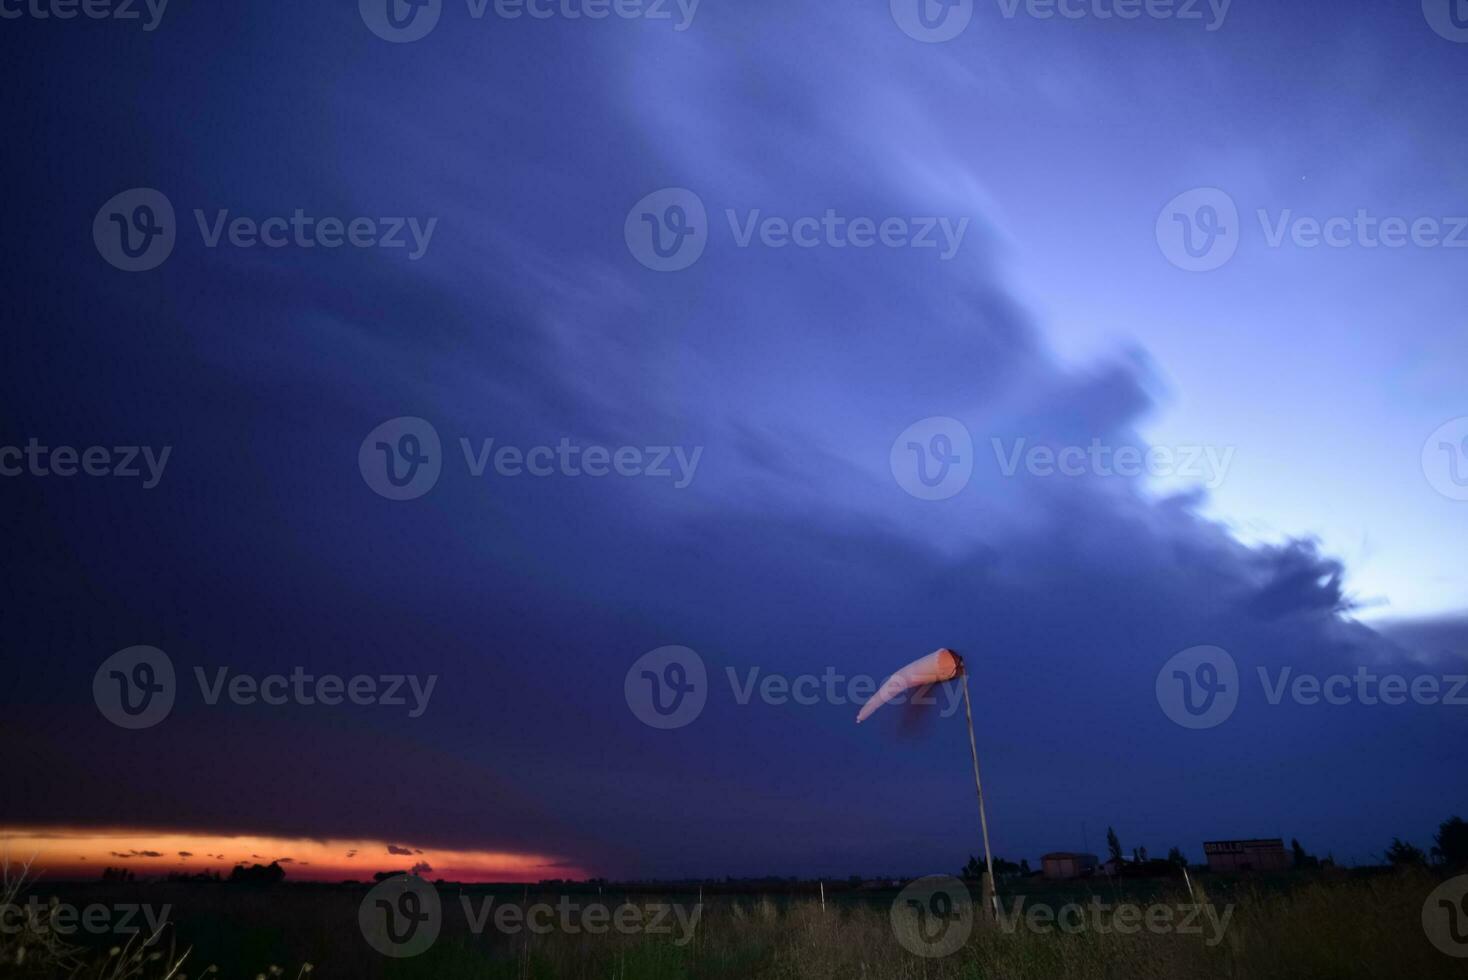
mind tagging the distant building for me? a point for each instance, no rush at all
(1066, 864)
(1267, 854)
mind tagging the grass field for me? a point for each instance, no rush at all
(1298, 927)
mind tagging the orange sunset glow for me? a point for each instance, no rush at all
(77, 853)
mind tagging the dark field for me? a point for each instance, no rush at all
(1299, 926)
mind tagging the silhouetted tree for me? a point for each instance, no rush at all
(110, 873)
(1404, 855)
(1024, 866)
(1175, 858)
(1451, 843)
(1302, 859)
(1113, 845)
(257, 874)
(975, 868)
(201, 876)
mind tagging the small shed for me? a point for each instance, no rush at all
(1067, 864)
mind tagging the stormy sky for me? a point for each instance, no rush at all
(1307, 384)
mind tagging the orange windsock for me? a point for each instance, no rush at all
(939, 666)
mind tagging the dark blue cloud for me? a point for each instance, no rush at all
(793, 551)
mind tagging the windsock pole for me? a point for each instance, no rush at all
(979, 785)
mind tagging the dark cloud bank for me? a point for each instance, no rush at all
(794, 550)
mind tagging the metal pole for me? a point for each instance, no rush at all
(979, 785)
